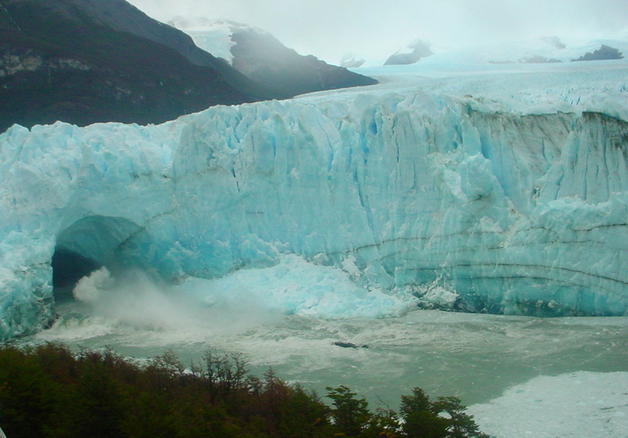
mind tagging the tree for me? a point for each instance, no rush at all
(419, 419)
(225, 373)
(461, 424)
(384, 423)
(47, 391)
(444, 418)
(350, 414)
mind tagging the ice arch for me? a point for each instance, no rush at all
(90, 243)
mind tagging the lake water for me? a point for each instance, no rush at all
(476, 357)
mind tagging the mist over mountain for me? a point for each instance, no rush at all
(542, 50)
(414, 52)
(263, 58)
(375, 30)
(352, 61)
(603, 53)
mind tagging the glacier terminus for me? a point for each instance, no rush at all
(436, 191)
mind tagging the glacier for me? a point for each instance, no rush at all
(507, 194)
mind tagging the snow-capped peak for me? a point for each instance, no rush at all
(213, 36)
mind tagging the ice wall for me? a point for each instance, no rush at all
(514, 213)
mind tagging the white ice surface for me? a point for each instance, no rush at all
(215, 40)
(574, 405)
(521, 88)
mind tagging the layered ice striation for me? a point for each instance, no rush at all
(451, 199)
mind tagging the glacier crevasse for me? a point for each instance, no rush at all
(516, 213)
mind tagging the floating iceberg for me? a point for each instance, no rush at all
(507, 209)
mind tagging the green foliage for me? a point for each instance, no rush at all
(460, 424)
(444, 418)
(420, 418)
(49, 392)
(350, 414)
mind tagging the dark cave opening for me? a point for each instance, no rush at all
(85, 246)
(68, 267)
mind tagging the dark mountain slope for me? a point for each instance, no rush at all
(121, 16)
(59, 61)
(263, 58)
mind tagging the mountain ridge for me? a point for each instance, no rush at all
(87, 61)
(260, 56)
(59, 64)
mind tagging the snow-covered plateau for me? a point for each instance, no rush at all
(495, 191)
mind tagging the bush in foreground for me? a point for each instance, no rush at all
(48, 391)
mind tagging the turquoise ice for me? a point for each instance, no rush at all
(512, 201)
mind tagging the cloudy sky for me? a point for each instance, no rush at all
(375, 28)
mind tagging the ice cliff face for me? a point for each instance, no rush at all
(511, 213)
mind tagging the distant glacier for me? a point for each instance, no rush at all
(514, 210)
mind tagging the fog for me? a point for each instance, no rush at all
(331, 28)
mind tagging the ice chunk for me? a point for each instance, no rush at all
(295, 286)
(578, 405)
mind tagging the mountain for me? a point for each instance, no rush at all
(85, 61)
(264, 59)
(352, 61)
(546, 50)
(414, 52)
(124, 17)
(603, 53)
(543, 50)
(552, 50)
